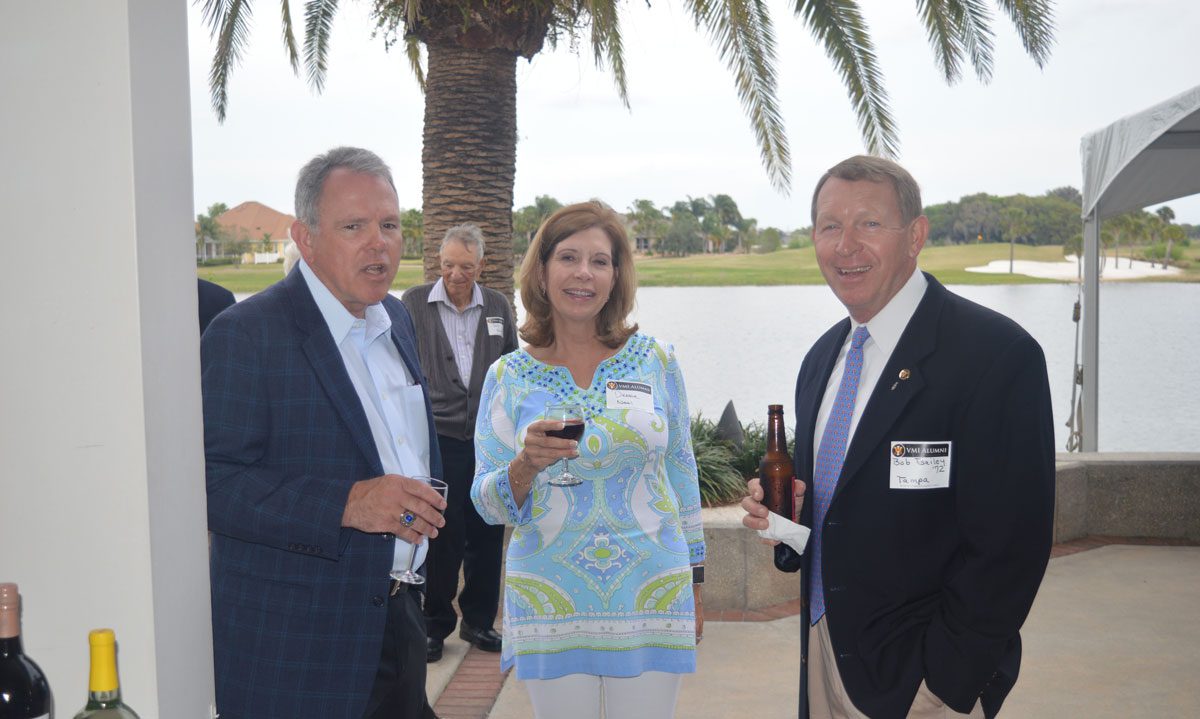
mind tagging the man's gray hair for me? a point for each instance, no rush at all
(467, 233)
(312, 177)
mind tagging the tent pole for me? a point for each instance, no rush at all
(1091, 329)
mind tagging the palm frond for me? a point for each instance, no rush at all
(1035, 26)
(746, 42)
(212, 12)
(229, 23)
(943, 35)
(976, 32)
(289, 36)
(412, 48)
(606, 42)
(318, 25)
(839, 26)
(955, 28)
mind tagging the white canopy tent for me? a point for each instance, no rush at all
(1143, 159)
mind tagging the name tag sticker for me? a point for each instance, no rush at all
(629, 395)
(495, 326)
(919, 465)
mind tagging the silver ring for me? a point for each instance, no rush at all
(407, 519)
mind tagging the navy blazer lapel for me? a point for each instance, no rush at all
(892, 394)
(810, 390)
(330, 368)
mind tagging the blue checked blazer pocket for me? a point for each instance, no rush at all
(266, 595)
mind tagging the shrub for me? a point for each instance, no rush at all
(720, 480)
(1156, 251)
(724, 469)
(216, 261)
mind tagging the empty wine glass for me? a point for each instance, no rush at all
(571, 416)
(407, 575)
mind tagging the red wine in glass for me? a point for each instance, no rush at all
(572, 418)
(572, 429)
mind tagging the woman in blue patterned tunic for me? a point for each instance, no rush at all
(599, 598)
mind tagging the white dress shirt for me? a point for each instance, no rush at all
(885, 329)
(460, 325)
(392, 401)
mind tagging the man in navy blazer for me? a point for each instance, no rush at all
(937, 529)
(212, 299)
(315, 423)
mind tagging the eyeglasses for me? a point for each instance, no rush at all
(833, 231)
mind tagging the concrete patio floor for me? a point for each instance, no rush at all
(1114, 632)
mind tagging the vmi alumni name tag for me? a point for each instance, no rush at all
(629, 395)
(919, 465)
(495, 326)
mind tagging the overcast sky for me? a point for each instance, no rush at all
(686, 134)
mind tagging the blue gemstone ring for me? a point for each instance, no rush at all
(407, 519)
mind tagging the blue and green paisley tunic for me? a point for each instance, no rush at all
(597, 575)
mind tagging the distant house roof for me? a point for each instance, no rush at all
(252, 220)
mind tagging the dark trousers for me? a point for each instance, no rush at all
(399, 690)
(465, 541)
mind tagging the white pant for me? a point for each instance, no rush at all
(650, 695)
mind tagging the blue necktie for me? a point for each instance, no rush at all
(830, 455)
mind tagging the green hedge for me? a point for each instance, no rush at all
(724, 468)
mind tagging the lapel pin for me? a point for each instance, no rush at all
(905, 374)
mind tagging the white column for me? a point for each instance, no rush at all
(102, 504)
(1091, 330)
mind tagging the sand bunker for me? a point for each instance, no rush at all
(1068, 269)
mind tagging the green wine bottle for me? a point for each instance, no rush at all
(104, 689)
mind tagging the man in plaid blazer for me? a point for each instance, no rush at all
(315, 421)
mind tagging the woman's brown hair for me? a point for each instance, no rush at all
(611, 326)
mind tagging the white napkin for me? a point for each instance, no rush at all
(785, 530)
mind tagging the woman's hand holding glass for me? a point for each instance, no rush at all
(542, 449)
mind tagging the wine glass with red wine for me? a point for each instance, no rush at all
(571, 416)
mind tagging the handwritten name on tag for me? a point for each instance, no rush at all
(495, 326)
(919, 465)
(621, 394)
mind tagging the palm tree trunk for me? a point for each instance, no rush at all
(469, 156)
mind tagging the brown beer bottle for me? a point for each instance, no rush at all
(775, 471)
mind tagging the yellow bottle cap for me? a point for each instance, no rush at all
(103, 677)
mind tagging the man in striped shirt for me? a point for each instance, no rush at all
(462, 327)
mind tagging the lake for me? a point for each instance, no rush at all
(745, 344)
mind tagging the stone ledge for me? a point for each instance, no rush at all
(740, 571)
(1153, 495)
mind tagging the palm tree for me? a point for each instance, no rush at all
(412, 224)
(1170, 232)
(1120, 226)
(649, 221)
(730, 216)
(1152, 226)
(209, 230)
(528, 219)
(1017, 223)
(472, 46)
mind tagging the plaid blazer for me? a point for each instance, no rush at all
(299, 602)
